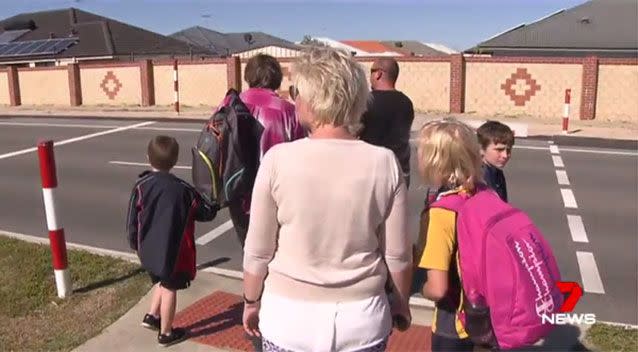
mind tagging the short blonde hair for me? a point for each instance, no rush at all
(449, 155)
(334, 85)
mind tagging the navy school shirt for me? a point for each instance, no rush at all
(495, 179)
(161, 223)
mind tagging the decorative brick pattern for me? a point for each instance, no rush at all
(485, 93)
(617, 93)
(99, 87)
(215, 320)
(111, 85)
(520, 93)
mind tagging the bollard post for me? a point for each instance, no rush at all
(568, 98)
(176, 86)
(54, 225)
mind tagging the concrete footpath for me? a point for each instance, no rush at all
(212, 328)
(209, 309)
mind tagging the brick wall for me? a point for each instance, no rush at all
(4, 89)
(202, 84)
(617, 97)
(601, 88)
(44, 86)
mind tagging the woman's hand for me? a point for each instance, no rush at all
(400, 310)
(250, 318)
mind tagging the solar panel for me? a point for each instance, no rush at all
(12, 48)
(31, 45)
(36, 47)
(45, 48)
(11, 35)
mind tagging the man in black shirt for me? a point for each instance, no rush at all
(388, 121)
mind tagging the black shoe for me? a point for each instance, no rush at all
(176, 335)
(151, 322)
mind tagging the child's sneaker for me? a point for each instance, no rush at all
(151, 322)
(176, 335)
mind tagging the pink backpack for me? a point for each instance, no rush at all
(508, 271)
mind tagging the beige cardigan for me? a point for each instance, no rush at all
(327, 215)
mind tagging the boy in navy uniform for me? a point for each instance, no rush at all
(496, 141)
(161, 224)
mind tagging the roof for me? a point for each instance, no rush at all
(359, 48)
(340, 45)
(369, 46)
(415, 48)
(231, 43)
(98, 36)
(597, 24)
(441, 47)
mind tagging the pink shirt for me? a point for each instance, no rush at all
(276, 114)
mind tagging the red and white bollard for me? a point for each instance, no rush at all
(56, 231)
(176, 86)
(568, 99)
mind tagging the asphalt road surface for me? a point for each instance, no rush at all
(583, 199)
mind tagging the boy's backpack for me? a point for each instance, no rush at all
(507, 269)
(226, 157)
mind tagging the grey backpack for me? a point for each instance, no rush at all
(226, 157)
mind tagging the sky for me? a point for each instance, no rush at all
(459, 24)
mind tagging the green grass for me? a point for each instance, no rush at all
(34, 319)
(603, 337)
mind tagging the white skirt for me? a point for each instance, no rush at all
(297, 325)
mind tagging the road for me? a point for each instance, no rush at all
(589, 218)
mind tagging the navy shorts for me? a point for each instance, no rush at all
(177, 283)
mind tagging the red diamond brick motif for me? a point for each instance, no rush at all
(531, 87)
(215, 320)
(111, 85)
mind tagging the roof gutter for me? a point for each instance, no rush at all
(486, 48)
(71, 59)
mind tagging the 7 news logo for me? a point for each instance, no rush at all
(574, 293)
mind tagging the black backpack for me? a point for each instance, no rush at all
(226, 157)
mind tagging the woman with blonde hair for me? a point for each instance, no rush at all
(328, 224)
(449, 158)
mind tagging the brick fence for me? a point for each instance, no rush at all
(507, 86)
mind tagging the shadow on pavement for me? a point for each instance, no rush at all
(222, 321)
(214, 262)
(107, 282)
(562, 338)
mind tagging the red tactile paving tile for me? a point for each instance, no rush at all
(215, 320)
(416, 338)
